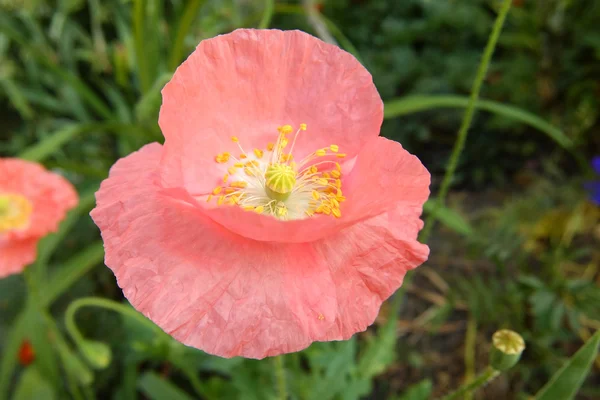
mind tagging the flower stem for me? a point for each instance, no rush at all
(280, 376)
(488, 375)
(468, 116)
(106, 304)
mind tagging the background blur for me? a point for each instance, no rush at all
(517, 247)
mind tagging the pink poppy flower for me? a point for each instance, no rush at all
(33, 201)
(274, 215)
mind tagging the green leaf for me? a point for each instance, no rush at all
(413, 104)
(157, 388)
(267, 15)
(49, 243)
(566, 382)
(419, 391)
(71, 271)
(147, 108)
(185, 22)
(52, 143)
(32, 386)
(381, 350)
(449, 217)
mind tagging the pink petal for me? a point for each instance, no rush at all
(15, 255)
(249, 82)
(232, 296)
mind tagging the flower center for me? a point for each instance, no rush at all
(15, 212)
(280, 180)
(270, 182)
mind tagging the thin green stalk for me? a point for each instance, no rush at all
(280, 376)
(106, 304)
(488, 375)
(185, 23)
(468, 116)
(470, 344)
(267, 15)
(139, 29)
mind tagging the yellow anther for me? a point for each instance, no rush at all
(238, 165)
(326, 175)
(252, 163)
(341, 155)
(284, 142)
(286, 129)
(340, 198)
(270, 146)
(281, 210)
(258, 153)
(310, 213)
(259, 209)
(243, 156)
(225, 178)
(235, 199)
(338, 166)
(338, 183)
(322, 181)
(314, 169)
(335, 203)
(235, 139)
(302, 127)
(231, 170)
(248, 208)
(321, 152)
(336, 174)
(209, 198)
(338, 193)
(334, 148)
(217, 190)
(316, 195)
(220, 200)
(248, 171)
(336, 212)
(229, 190)
(239, 184)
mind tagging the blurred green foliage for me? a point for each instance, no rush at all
(80, 87)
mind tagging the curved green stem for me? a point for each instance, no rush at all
(106, 304)
(468, 117)
(280, 375)
(488, 375)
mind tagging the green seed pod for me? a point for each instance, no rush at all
(506, 350)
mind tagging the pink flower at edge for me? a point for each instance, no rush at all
(33, 202)
(234, 247)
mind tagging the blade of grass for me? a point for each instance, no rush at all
(469, 112)
(412, 104)
(71, 271)
(337, 33)
(139, 16)
(44, 148)
(185, 22)
(267, 14)
(566, 381)
(68, 77)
